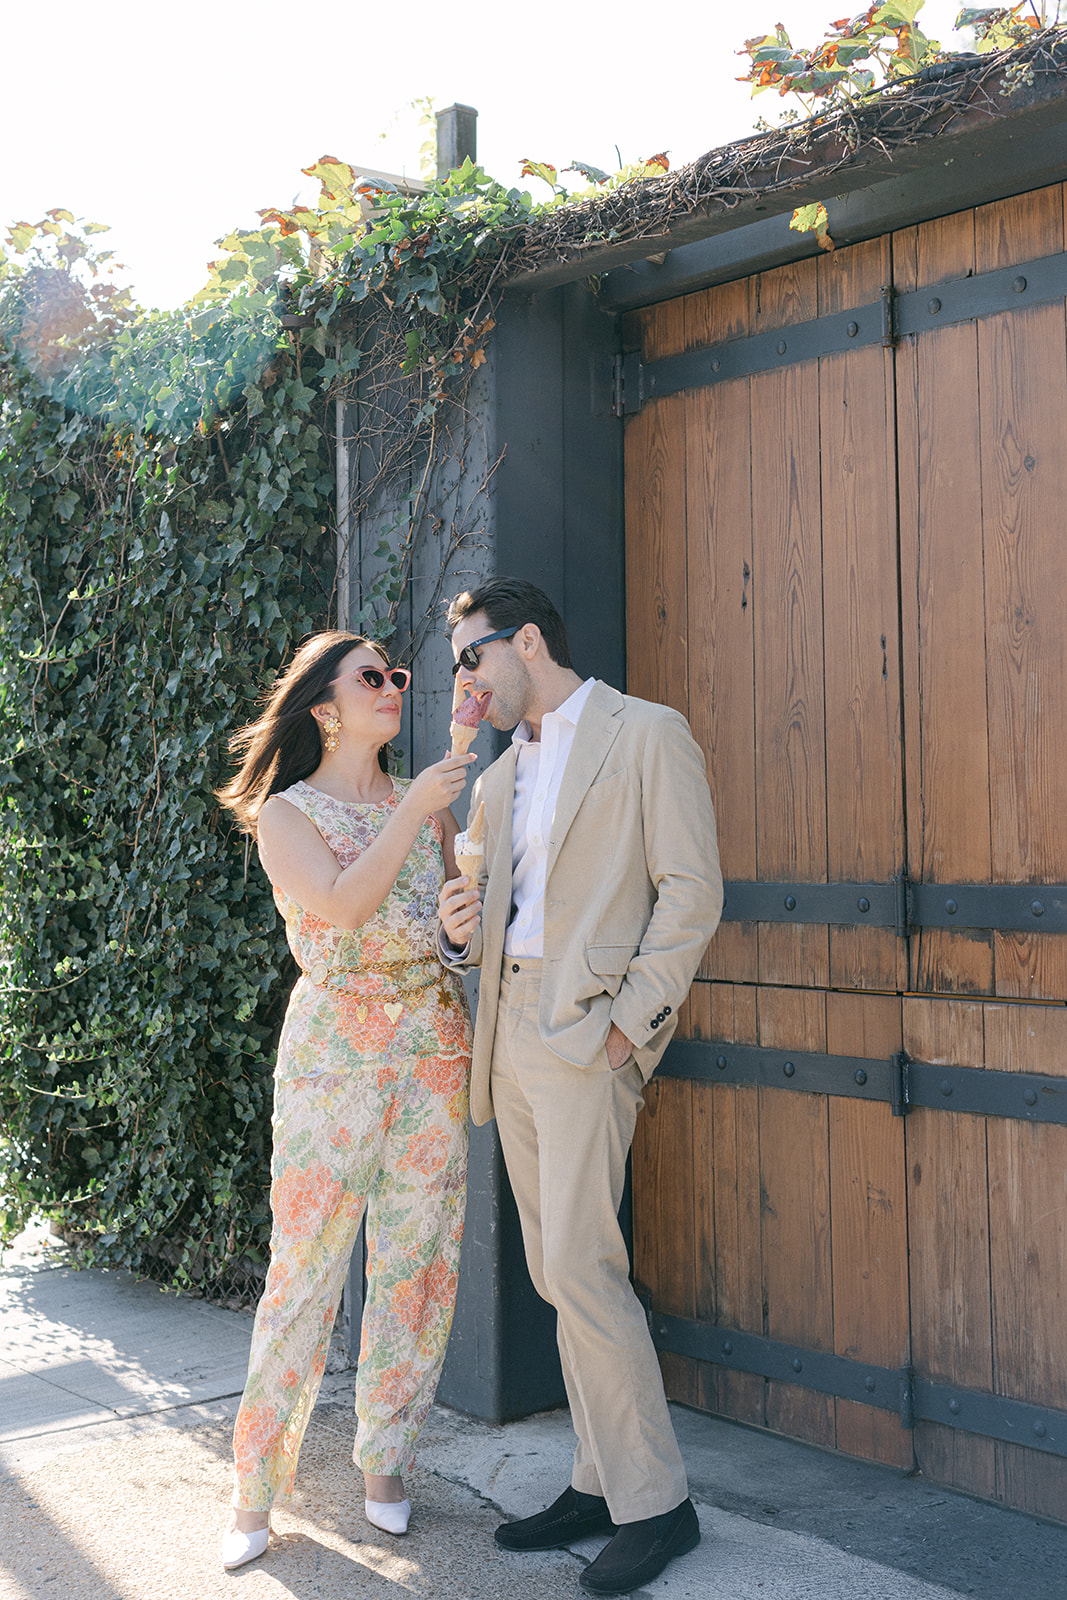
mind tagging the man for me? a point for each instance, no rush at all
(601, 891)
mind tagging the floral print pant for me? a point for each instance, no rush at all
(370, 1113)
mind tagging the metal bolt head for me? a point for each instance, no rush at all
(870, 1385)
(1037, 908)
(716, 364)
(1030, 1096)
(951, 907)
(955, 1407)
(782, 347)
(1039, 1430)
(934, 306)
(789, 1069)
(863, 903)
(727, 1348)
(852, 329)
(790, 902)
(946, 1087)
(1019, 284)
(861, 1077)
(798, 1365)
(720, 1062)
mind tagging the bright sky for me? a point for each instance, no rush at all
(176, 123)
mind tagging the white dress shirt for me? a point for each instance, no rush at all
(539, 768)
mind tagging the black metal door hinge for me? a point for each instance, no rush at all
(626, 395)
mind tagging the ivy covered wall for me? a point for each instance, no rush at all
(147, 587)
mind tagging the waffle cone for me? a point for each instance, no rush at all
(470, 866)
(462, 738)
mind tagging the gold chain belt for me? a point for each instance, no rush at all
(321, 974)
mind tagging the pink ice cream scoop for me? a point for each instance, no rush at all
(466, 719)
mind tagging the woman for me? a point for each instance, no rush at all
(370, 1101)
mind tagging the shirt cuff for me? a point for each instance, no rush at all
(450, 956)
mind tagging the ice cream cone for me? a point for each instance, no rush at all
(466, 720)
(469, 851)
(462, 738)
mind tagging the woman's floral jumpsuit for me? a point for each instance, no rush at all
(370, 1112)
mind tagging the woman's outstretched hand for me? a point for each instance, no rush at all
(438, 786)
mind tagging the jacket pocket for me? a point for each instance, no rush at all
(610, 960)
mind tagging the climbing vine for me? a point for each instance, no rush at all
(881, 47)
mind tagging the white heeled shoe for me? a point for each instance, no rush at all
(236, 1547)
(392, 1516)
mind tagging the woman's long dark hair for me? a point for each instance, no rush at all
(284, 745)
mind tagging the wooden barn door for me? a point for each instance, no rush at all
(845, 565)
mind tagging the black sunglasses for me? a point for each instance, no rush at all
(468, 656)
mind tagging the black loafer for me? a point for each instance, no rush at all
(640, 1551)
(573, 1516)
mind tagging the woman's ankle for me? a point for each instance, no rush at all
(246, 1521)
(384, 1489)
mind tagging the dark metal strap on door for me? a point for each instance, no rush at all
(897, 1389)
(903, 905)
(882, 905)
(883, 322)
(803, 1071)
(980, 1091)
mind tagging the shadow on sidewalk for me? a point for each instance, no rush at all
(39, 1554)
(139, 1519)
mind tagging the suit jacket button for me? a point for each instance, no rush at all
(666, 1011)
(654, 1023)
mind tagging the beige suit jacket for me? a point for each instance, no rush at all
(633, 890)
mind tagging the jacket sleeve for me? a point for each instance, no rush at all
(682, 858)
(469, 958)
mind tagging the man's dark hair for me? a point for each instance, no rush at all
(511, 603)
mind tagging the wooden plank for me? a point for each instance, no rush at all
(784, 295)
(869, 1226)
(1019, 229)
(795, 1190)
(861, 605)
(1023, 367)
(1028, 1251)
(655, 531)
(864, 798)
(721, 667)
(788, 626)
(662, 1167)
(941, 561)
(703, 1382)
(854, 276)
(737, 1279)
(949, 1242)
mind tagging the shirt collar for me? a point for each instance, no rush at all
(570, 711)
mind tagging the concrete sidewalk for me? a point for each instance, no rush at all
(117, 1407)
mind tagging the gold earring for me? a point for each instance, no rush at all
(331, 728)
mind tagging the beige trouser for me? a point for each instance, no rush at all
(565, 1133)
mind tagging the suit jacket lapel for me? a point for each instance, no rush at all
(594, 736)
(499, 790)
